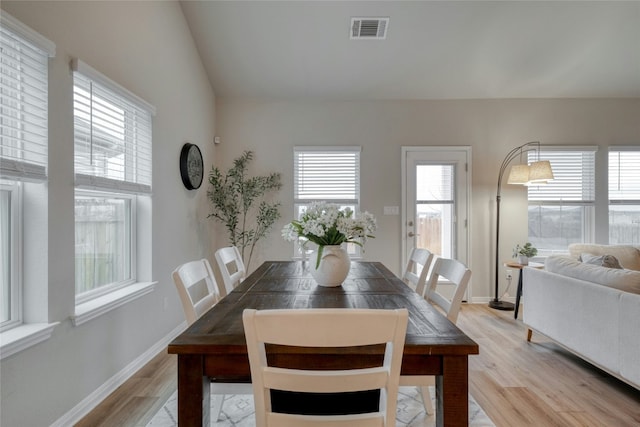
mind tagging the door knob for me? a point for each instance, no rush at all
(412, 234)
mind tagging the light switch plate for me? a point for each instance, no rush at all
(392, 210)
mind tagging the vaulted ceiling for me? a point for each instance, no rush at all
(433, 49)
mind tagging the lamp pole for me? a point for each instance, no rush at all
(529, 146)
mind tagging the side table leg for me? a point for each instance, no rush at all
(518, 294)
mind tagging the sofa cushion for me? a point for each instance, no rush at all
(625, 280)
(628, 256)
(608, 261)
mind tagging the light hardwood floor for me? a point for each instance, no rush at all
(517, 383)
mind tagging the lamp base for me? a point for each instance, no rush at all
(502, 305)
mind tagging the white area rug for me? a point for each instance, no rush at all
(237, 411)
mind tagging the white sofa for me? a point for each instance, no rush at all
(591, 310)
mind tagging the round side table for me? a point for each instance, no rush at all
(518, 266)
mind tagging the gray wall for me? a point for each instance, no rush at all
(147, 48)
(491, 127)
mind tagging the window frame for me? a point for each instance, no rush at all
(134, 184)
(299, 203)
(24, 155)
(621, 201)
(15, 248)
(24, 149)
(132, 244)
(588, 204)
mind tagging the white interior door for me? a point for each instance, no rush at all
(436, 201)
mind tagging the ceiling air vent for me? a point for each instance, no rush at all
(369, 28)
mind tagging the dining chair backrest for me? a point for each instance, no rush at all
(197, 288)
(325, 328)
(417, 269)
(458, 274)
(199, 292)
(231, 267)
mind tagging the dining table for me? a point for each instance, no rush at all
(214, 349)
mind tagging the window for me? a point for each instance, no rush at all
(624, 196)
(562, 211)
(112, 134)
(24, 62)
(330, 174)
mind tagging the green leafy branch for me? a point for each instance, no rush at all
(233, 197)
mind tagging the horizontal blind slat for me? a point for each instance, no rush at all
(574, 176)
(10, 26)
(23, 101)
(624, 175)
(329, 175)
(112, 137)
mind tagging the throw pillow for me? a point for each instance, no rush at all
(608, 261)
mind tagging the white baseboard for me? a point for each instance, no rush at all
(102, 392)
(485, 300)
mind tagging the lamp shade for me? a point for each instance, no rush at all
(540, 172)
(519, 175)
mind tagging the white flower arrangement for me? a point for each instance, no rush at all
(326, 224)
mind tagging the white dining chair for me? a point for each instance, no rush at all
(417, 269)
(458, 274)
(231, 267)
(325, 328)
(199, 291)
(196, 287)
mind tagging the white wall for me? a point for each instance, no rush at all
(491, 127)
(147, 48)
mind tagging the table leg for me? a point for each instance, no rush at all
(452, 392)
(518, 295)
(193, 392)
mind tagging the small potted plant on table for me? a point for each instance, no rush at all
(524, 252)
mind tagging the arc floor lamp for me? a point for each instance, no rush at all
(536, 173)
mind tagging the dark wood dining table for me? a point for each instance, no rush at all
(214, 346)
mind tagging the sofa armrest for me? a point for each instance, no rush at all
(628, 256)
(580, 315)
(630, 338)
(624, 280)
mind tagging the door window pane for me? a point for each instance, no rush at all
(435, 209)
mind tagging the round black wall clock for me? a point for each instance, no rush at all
(191, 166)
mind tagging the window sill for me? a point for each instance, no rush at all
(97, 307)
(24, 336)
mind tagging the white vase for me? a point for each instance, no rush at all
(333, 268)
(523, 260)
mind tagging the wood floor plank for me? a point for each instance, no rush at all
(517, 383)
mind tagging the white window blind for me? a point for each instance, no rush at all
(435, 183)
(24, 58)
(624, 175)
(329, 174)
(112, 133)
(574, 176)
